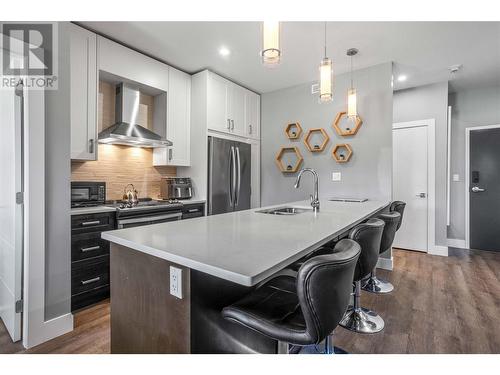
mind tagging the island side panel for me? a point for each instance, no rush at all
(145, 317)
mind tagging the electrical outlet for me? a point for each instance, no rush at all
(456, 177)
(336, 176)
(176, 282)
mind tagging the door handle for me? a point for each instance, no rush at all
(231, 176)
(477, 189)
(421, 195)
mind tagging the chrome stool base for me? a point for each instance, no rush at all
(375, 285)
(362, 320)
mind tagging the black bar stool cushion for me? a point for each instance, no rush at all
(391, 220)
(301, 310)
(369, 236)
(398, 206)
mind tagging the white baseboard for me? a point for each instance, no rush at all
(439, 250)
(456, 242)
(384, 263)
(50, 329)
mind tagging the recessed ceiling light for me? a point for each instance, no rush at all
(402, 78)
(224, 51)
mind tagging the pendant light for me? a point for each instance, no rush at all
(271, 52)
(351, 92)
(325, 78)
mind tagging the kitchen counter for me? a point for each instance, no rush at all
(245, 247)
(109, 208)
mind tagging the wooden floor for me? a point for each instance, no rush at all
(439, 305)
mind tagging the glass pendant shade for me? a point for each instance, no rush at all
(271, 52)
(351, 103)
(326, 80)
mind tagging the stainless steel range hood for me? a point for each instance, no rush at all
(126, 131)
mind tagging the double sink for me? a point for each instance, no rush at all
(284, 210)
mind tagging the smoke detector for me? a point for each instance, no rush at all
(455, 68)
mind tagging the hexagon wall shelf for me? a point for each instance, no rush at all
(316, 147)
(293, 130)
(342, 153)
(285, 155)
(347, 131)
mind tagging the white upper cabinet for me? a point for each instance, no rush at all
(84, 81)
(232, 109)
(177, 125)
(127, 63)
(237, 97)
(252, 115)
(218, 103)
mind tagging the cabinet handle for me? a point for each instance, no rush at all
(87, 223)
(85, 249)
(91, 146)
(232, 124)
(89, 281)
(229, 124)
(193, 210)
(170, 152)
(250, 129)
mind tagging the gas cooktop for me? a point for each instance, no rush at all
(147, 203)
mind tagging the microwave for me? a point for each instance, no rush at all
(87, 193)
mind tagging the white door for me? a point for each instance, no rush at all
(11, 211)
(179, 112)
(252, 116)
(218, 111)
(237, 103)
(410, 185)
(84, 79)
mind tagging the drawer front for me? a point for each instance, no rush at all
(88, 245)
(88, 298)
(89, 274)
(92, 222)
(195, 210)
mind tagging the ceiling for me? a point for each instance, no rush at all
(423, 51)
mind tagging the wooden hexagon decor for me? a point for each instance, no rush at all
(286, 162)
(316, 147)
(347, 131)
(293, 130)
(342, 153)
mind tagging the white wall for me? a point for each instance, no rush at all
(425, 102)
(470, 108)
(369, 172)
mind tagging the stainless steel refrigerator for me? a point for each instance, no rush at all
(229, 176)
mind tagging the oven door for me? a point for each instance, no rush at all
(147, 220)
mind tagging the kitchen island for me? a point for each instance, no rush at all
(221, 258)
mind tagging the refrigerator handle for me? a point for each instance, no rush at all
(232, 173)
(238, 177)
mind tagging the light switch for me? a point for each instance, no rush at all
(456, 177)
(176, 282)
(336, 176)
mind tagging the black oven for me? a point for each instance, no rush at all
(87, 193)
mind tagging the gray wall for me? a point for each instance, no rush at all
(57, 188)
(469, 108)
(368, 173)
(425, 102)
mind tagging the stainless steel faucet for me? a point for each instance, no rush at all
(315, 196)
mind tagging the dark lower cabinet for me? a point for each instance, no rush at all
(190, 211)
(90, 258)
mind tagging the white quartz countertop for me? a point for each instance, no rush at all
(245, 247)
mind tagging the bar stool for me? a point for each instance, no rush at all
(398, 206)
(302, 310)
(373, 284)
(360, 319)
